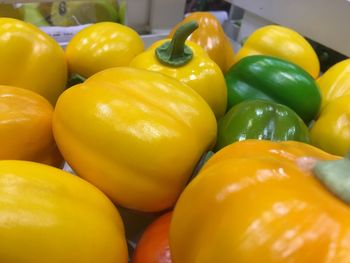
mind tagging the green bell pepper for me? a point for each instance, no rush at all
(273, 79)
(260, 119)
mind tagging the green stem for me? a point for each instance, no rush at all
(175, 53)
(75, 79)
(335, 175)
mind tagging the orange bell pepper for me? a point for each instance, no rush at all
(25, 127)
(262, 201)
(211, 37)
(153, 246)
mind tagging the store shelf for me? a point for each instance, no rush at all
(323, 21)
(149, 15)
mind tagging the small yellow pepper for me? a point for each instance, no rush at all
(189, 63)
(102, 45)
(283, 43)
(335, 82)
(211, 37)
(331, 131)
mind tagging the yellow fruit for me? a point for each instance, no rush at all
(48, 215)
(31, 59)
(135, 134)
(101, 46)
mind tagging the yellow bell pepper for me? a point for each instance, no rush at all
(262, 201)
(331, 131)
(48, 215)
(211, 37)
(335, 82)
(284, 43)
(26, 127)
(135, 134)
(100, 46)
(31, 59)
(188, 63)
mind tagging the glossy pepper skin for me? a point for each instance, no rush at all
(335, 82)
(153, 246)
(135, 134)
(48, 215)
(263, 120)
(31, 59)
(199, 72)
(331, 131)
(211, 37)
(283, 43)
(258, 201)
(26, 127)
(273, 79)
(102, 45)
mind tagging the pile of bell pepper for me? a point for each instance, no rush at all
(232, 156)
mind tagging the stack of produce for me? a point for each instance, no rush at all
(237, 157)
(65, 13)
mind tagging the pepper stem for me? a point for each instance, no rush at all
(335, 175)
(75, 79)
(175, 53)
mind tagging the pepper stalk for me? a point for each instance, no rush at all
(176, 53)
(335, 175)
